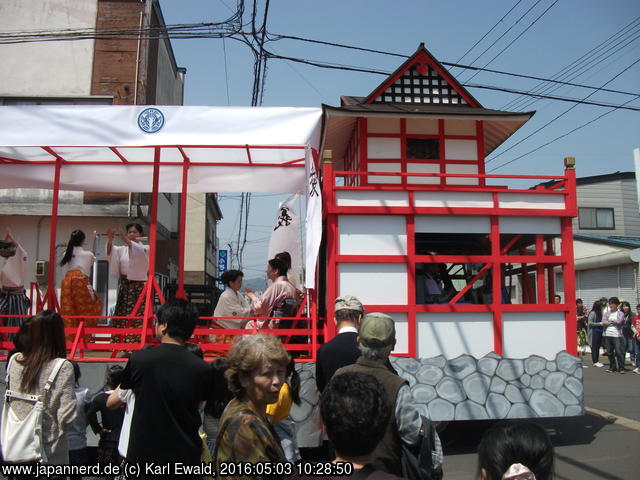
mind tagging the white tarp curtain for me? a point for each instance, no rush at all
(85, 134)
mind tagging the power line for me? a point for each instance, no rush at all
(562, 136)
(505, 33)
(550, 97)
(564, 74)
(517, 38)
(588, 68)
(486, 87)
(490, 30)
(226, 74)
(562, 114)
(449, 64)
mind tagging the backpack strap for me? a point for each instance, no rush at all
(9, 393)
(6, 376)
(53, 375)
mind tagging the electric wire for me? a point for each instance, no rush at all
(489, 31)
(564, 113)
(448, 64)
(561, 136)
(516, 39)
(566, 72)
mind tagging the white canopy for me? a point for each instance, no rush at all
(111, 148)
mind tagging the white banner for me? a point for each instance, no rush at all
(313, 220)
(285, 237)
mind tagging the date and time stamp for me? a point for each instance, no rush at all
(177, 469)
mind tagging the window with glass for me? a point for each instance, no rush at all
(596, 218)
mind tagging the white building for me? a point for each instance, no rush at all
(114, 70)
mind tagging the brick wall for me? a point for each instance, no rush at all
(114, 62)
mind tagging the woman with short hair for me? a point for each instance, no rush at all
(257, 371)
(29, 372)
(230, 304)
(77, 296)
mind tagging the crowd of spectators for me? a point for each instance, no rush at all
(168, 406)
(610, 328)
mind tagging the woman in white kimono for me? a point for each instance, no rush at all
(231, 304)
(131, 263)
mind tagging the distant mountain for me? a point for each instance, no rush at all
(255, 284)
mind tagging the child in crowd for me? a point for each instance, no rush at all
(513, 450)
(612, 324)
(635, 329)
(109, 429)
(205, 457)
(627, 334)
(215, 406)
(77, 434)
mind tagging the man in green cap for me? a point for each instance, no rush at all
(377, 338)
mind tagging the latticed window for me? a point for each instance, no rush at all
(428, 88)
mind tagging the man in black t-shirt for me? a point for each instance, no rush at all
(168, 382)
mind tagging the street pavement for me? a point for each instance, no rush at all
(602, 444)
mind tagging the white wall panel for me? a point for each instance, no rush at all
(366, 198)
(543, 225)
(383, 125)
(402, 331)
(422, 126)
(460, 127)
(460, 149)
(374, 283)
(423, 168)
(452, 224)
(533, 333)
(384, 167)
(372, 235)
(453, 199)
(462, 168)
(525, 200)
(454, 334)
(380, 147)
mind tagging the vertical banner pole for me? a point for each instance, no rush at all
(153, 230)
(183, 223)
(51, 287)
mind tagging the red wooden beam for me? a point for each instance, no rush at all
(122, 158)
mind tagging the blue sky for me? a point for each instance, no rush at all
(562, 32)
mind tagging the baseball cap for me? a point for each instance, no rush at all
(377, 330)
(348, 302)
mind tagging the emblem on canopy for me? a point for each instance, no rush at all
(150, 120)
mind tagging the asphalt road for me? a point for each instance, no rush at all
(602, 444)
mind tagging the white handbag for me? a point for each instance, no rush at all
(22, 440)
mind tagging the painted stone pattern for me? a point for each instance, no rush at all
(465, 388)
(496, 387)
(459, 389)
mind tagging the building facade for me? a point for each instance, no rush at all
(607, 238)
(118, 62)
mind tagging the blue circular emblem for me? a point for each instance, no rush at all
(150, 120)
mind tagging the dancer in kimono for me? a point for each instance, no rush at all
(77, 296)
(131, 264)
(13, 272)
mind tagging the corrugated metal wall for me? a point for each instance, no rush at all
(619, 281)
